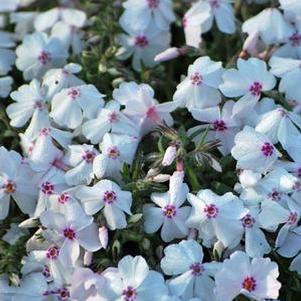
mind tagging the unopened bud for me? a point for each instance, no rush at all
(88, 258)
(168, 54)
(161, 178)
(251, 43)
(103, 236)
(170, 155)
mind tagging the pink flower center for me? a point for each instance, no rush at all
(88, 156)
(211, 211)
(46, 272)
(153, 3)
(293, 218)
(63, 198)
(197, 269)
(53, 253)
(141, 41)
(38, 105)
(109, 197)
(169, 211)
(295, 39)
(47, 188)
(196, 79)
(44, 57)
(219, 125)
(249, 284)
(63, 294)
(256, 89)
(275, 195)
(45, 132)
(69, 233)
(129, 294)
(152, 114)
(74, 93)
(113, 152)
(215, 3)
(267, 149)
(9, 187)
(248, 221)
(283, 112)
(113, 117)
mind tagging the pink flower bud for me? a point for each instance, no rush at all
(161, 178)
(88, 258)
(169, 156)
(103, 236)
(251, 44)
(168, 54)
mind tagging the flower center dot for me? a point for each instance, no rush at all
(69, 233)
(9, 187)
(47, 188)
(74, 93)
(196, 79)
(249, 284)
(219, 125)
(211, 211)
(169, 211)
(295, 39)
(248, 221)
(141, 41)
(44, 57)
(215, 3)
(113, 152)
(256, 89)
(275, 195)
(267, 149)
(293, 218)
(53, 253)
(113, 117)
(88, 156)
(109, 197)
(153, 3)
(129, 294)
(63, 198)
(197, 269)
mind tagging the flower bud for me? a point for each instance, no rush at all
(168, 54)
(88, 258)
(161, 178)
(103, 236)
(170, 155)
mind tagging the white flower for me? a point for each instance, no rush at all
(169, 155)
(289, 72)
(30, 103)
(23, 22)
(169, 214)
(80, 158)
(192, 23)
(70, 16)
(133, 280)
(200, 88)
(70, 35)
(115, 151)
(254, 151)
(139, 14)
(192, 276)
(5, 86)
(38, 53)
(16, 181)
(55, 80)
(256, 279)
(108, 195)
(223, 126)
(249, 81)
(71, 105)
(109, 119)
(143, 45)
(74, 229)
(217, 217)
(141, 106)
(271, 26)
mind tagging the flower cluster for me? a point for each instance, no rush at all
(98, 169)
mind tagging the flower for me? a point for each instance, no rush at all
(115, 151)
(73, 229)
(192, 277)
(80, 158)
(249, 81)
(108, 195)
(200, 88)
(254, 151)
(256, 278)
(71, 105)
(5, 86)
(38, 53)
(271, 26)
(109, 119)
(134, 281)
(170, 215)
(30, 103)
(138, 15)
(143, 45)
(217, 217)
(16, 182)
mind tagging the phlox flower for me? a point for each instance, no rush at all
(141, 106)
(256, 278)
(134, 281)
(107, 195)
(109, 119)
(139, 14)
(223, 126)
(254, 151)
(169, 214)
(200, 88)
(192, 277)
(38, 53)
(80, 158)
(23, 21)
(73, 229)
(16, 182)
(71, 105)
(115, 151)
(143, 45)
(217, 217)
(248, 82)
